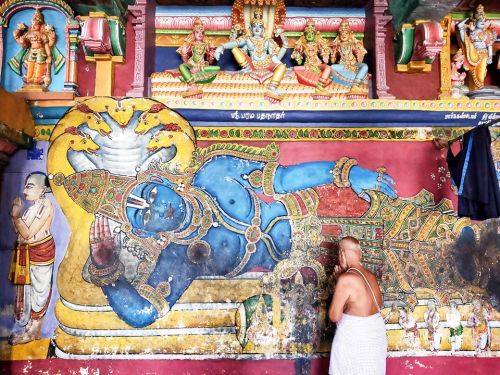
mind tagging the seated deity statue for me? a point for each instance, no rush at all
(38, 53)
(258, 55)
(347, 55)
(476, 38)
(313, 52)
(197, 54)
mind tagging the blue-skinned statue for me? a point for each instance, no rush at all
(347, 55)
(258, 55)
(476, 38)
(208, 222)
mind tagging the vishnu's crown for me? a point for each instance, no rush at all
(257, 17)
(98, 191)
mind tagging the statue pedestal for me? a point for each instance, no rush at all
(45, 95)
(488, 92)
(28, 87)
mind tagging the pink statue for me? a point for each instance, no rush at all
(457, 76)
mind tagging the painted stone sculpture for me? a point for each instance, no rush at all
(38, 53)
(313, 51)
(197, 54)
(258, 55)
(347, 54)
(458, 76)
(476, 38)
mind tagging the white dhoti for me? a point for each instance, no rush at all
(359, 346)
(41, 286)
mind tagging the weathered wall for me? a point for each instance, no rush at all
(200, 262)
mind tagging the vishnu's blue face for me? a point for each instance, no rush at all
(153, 207)
(257, 29)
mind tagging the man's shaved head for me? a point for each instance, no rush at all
(351, 250)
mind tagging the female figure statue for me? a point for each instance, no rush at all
(312, 50)
(197, 54)
(347, 54)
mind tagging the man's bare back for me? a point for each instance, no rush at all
(353, 295)
(360, 342)
(360, 301)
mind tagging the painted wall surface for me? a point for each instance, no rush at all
(168, 247)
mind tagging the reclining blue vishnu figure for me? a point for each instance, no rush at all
(208, 223)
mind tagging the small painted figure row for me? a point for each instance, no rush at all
(478, 321)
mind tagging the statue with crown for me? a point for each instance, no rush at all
(476, 37)
(197, 54)
(38, 53)
(312, 53)
(259, 54)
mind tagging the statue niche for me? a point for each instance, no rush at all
(37, 55)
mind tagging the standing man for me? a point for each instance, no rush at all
(33, 257)
(360, 342)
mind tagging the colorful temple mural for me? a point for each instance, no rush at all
(176, 178)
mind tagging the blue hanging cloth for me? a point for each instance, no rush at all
(473, 171)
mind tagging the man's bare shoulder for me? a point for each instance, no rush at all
(347, 278)
(370, 274)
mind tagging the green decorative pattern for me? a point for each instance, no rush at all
(42, 133)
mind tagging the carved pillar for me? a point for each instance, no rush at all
(105, 73)
(445, 60)
(143, 23)
(72, 33)
(376, 13)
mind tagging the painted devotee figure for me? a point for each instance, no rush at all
(479, 322)
(313, 51)
(431, 319)
(360, 342)
(33, 257)
(408, 322)
(347, 54)
(260, 332)
(38, 53)
(197, 55)
(476, 38)
(209, 223)
(258, 55)
(454, 322)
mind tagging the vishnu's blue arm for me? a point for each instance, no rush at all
(307, 175)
